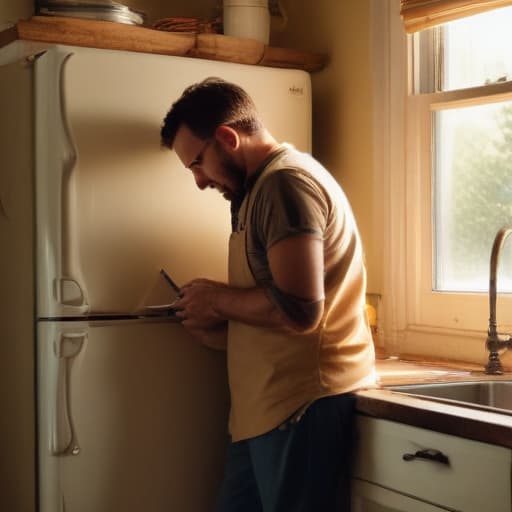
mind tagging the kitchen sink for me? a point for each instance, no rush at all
(495, 396)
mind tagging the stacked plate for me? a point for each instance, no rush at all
(91, 9)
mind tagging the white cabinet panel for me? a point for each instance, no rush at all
(368, 497)
(464, 475)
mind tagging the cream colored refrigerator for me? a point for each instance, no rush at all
(104, 409)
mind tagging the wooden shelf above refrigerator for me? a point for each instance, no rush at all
(119, 36)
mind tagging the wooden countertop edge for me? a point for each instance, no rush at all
(119, 36)
(487, 427)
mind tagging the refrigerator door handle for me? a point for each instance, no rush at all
(64, 439)
(70, 292)
(60, 290)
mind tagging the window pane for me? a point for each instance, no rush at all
(472, 195)
(477, 50)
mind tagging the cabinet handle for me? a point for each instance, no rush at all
(428, 454)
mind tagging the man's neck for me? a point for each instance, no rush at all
(258, 147)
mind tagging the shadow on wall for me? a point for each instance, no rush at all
(108, 137)
(13, 10)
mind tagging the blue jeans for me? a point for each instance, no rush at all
(303, 468)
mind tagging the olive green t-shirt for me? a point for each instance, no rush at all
(290, 202)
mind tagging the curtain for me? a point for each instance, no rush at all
(420, 14)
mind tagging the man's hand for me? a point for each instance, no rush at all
(296, 264)
(196, 304)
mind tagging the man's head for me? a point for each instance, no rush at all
(205, 127)
(207, 105)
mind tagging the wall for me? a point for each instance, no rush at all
(342, 92)
(13, 10)
(342, 104)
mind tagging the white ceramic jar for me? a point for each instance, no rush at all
(247, 18)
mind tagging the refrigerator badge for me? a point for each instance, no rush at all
(296, 90)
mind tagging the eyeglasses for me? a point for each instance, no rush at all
(198, 160)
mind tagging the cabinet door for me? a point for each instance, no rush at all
(449, 471)
(368, 497)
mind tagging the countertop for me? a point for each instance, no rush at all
(467, 422)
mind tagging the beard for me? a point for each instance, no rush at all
(234, 177)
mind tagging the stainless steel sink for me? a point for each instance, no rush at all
(495, 396)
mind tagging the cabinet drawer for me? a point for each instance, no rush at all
(475, 477)
(372, 498)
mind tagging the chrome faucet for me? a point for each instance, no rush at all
(496, 341)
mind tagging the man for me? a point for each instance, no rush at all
(292, 315)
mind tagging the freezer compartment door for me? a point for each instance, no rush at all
(132, 415)
(59, 292)
(128, 207)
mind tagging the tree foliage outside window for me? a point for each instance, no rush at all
(472, 152)
(473, 195)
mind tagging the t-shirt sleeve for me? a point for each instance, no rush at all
(288, 203)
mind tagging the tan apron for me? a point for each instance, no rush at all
(271, 374)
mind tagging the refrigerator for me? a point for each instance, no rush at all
(104, 407)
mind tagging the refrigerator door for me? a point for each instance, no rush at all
(132, 417)
(113, 206)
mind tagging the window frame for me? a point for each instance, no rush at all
(439, 309)
(415, 319)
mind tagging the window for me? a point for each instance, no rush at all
(469, 52)
(472, 150)
(465, 169)
(472, 184)
(453, 191)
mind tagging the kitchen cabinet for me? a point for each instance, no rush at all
(368, 497)
(399, 467)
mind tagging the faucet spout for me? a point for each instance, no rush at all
(496, 341)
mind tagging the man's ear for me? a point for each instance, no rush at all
(227, 137)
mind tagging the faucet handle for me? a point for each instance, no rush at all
(494, 366)
(494, 342)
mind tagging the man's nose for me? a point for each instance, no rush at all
(201, 180)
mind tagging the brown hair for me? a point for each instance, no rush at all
(208, 104)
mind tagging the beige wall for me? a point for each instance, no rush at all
(13, 10)
(342, 103)
(342, 92)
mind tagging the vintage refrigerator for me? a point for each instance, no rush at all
(103, 410)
